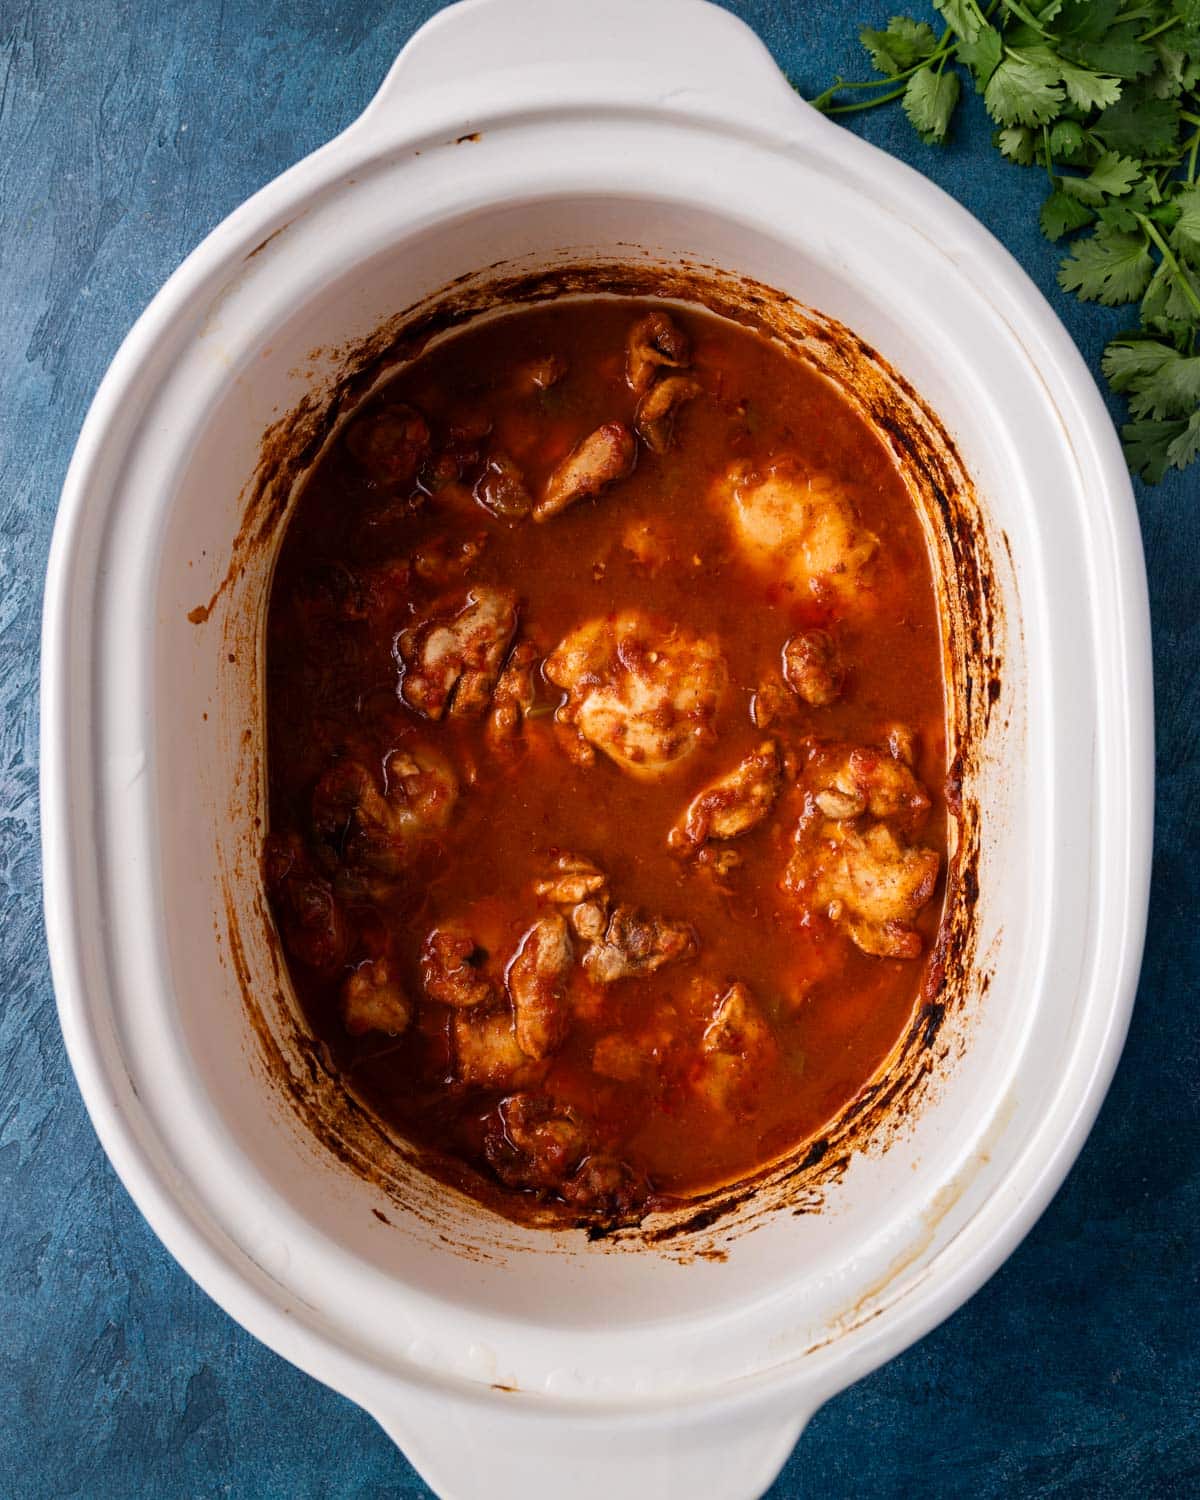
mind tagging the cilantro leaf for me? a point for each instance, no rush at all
(1161, 381)
(1138, 124)
(1151, 448)
(1108, 267)
(1087, 89)
(1174, 392)
(1166, 300)
(929, 101)
(981, 56)
(1067, 141)
(1122, 213)
(904, 43)
(1185, 237)
(1018, 34)
(1114, 174)
(1085, 20)
(1166, 213)
(1018, 143)
(1024, 90)
(1099, 92)
(1148, 447)
(1184, 448)
(1111, 177)
(963, 17)
(1177, 71)
(1119, 51)
(1130, 361)
(1061, 214)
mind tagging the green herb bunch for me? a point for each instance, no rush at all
(1105, 96)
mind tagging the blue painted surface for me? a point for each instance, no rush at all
(128, 128)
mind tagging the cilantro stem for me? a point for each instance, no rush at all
(944, 47)
(836, 87)
(1191, 119)
(1154, 31)
(1168, 255)
(1189, 145)
(1047, 158)
(850, 109)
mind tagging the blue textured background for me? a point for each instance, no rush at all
(127, 130)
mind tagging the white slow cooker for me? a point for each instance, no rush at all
(518, 1362)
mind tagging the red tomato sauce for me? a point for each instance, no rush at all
(671, 1078)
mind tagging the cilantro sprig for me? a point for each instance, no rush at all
(1104, 96)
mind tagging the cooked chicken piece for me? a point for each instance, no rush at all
(720, 863)
(539, 374)
(443, 474)
(537, 986)
(803, 526)
(474, 695)
(575, 879)
(515, 693)
(589, 919)
(626, 1059)
(538, 1143)
(650, 544)
(391, 443)
(439, 561)
(634, 944)
(737, 1045)
(871, 781)
(812, 667)
(353, 823)
(869, 882)
(902, 744)
(310, 919)
(574, 746)
(603, 457)
(461, 455)
(421, 789)
(640, 689)
(658, 408)
(770, 703)
(733, 804)
(502, 491)
(453, 659)
(372, 1000)
(654, 342)
(608, 1189)
(452, 968)
(363, 829)
(486, 1053)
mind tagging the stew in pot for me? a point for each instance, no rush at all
(606, 754)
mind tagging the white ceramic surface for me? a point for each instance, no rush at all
(623, 1371)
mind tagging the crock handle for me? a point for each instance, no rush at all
(485, 56)
(476, 1452)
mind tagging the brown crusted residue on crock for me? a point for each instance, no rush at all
(973, 639)
(262, 244)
